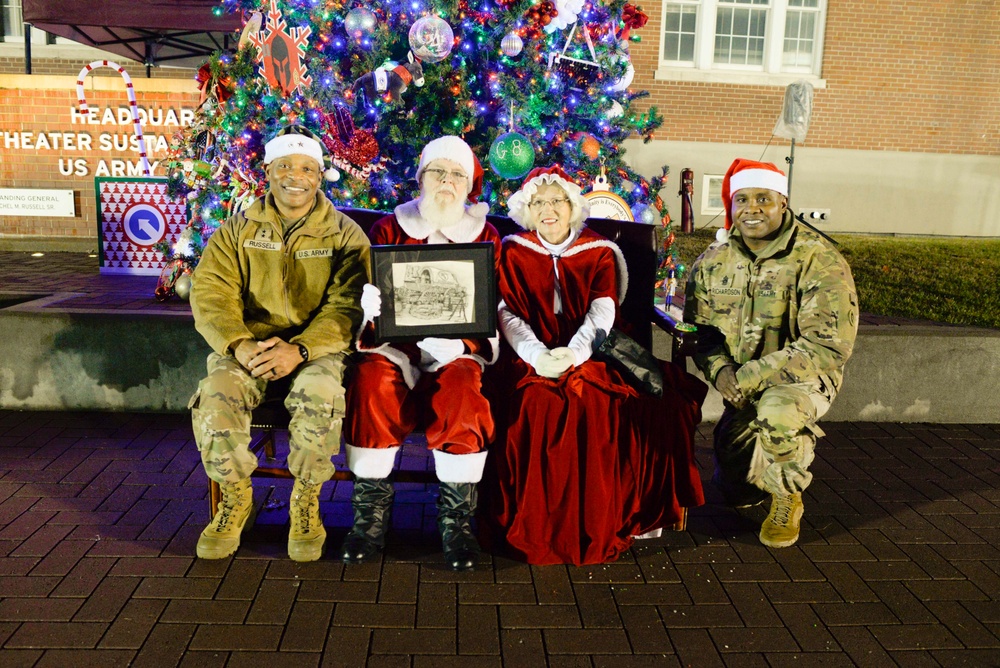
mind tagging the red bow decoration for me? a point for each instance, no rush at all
(632, 17)
(221, 85)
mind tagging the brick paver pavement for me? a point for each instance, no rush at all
(898, 564)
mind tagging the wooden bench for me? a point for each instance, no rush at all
(637, 316)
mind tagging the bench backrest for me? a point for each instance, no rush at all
(637, 242)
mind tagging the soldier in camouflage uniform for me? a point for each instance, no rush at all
(276, 294)
(777, 313)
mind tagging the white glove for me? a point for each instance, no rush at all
(555, 362)
(443, 350)
(371, 302)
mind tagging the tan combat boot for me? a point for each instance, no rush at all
(781, 528)
(221, 537)
(306, 534)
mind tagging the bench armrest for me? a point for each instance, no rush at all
(685, 340)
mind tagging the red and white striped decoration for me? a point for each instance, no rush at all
(131, 102)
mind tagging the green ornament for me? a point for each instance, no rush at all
(512, 155)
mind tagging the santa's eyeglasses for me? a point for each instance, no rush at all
(440, 175)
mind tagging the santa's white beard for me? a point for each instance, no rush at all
(440, 215)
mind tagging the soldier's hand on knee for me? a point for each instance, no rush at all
(245, 353)
(276, 359)
(729, 388)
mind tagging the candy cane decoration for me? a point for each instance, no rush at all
(131, 102)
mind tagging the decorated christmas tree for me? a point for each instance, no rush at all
(522, 81)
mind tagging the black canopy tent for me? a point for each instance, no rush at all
(153, 32)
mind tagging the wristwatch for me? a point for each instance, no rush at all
(304, 352)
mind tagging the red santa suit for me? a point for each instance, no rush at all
(587, 461)
(396, 388)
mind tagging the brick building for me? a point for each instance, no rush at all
(904, 136)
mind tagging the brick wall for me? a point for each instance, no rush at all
(902, 75)
(47, 110)
(70, 67)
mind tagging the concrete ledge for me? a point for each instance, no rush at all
(99, 361)
(141, 361)
(909, 373)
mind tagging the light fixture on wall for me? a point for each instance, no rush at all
(793, 123)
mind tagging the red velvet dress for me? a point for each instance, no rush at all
(447, 404)
(587, 462)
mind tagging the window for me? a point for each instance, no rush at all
(742, 41)
(10, 19)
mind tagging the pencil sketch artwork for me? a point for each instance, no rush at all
(434, 293)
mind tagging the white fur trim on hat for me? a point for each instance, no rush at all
(517, 203)
(759, 178)
(448, 147)
(292, 144)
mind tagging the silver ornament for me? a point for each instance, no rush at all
(360, 24)
(511, 44)
(644, 213)
(431, 39)
(182, 286)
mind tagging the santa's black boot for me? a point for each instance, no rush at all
(456, 506)
(372, 504)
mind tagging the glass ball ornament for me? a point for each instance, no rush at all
(643, 213)
(590, 146)
(431, 39)
(182, 286)
(512, 155)
(360, 24)
(626, 79)
(511, 44)
(616, 111)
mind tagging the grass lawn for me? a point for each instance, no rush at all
(945, 280)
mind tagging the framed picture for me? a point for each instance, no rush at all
(711, 195)
(442, 290)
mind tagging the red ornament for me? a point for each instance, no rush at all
(542, 13)
(168, 277)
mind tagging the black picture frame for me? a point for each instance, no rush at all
(446, 291)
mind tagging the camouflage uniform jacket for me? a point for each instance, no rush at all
(306, 287)
(788, 315)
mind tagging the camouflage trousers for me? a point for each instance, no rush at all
(767, 447)
(220, 416)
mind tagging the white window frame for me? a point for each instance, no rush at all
(704, 69)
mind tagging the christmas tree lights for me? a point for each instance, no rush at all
(512, 66)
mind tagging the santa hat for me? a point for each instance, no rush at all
(298, 140)
(517, 204)
(745, 173)
(455, 149)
